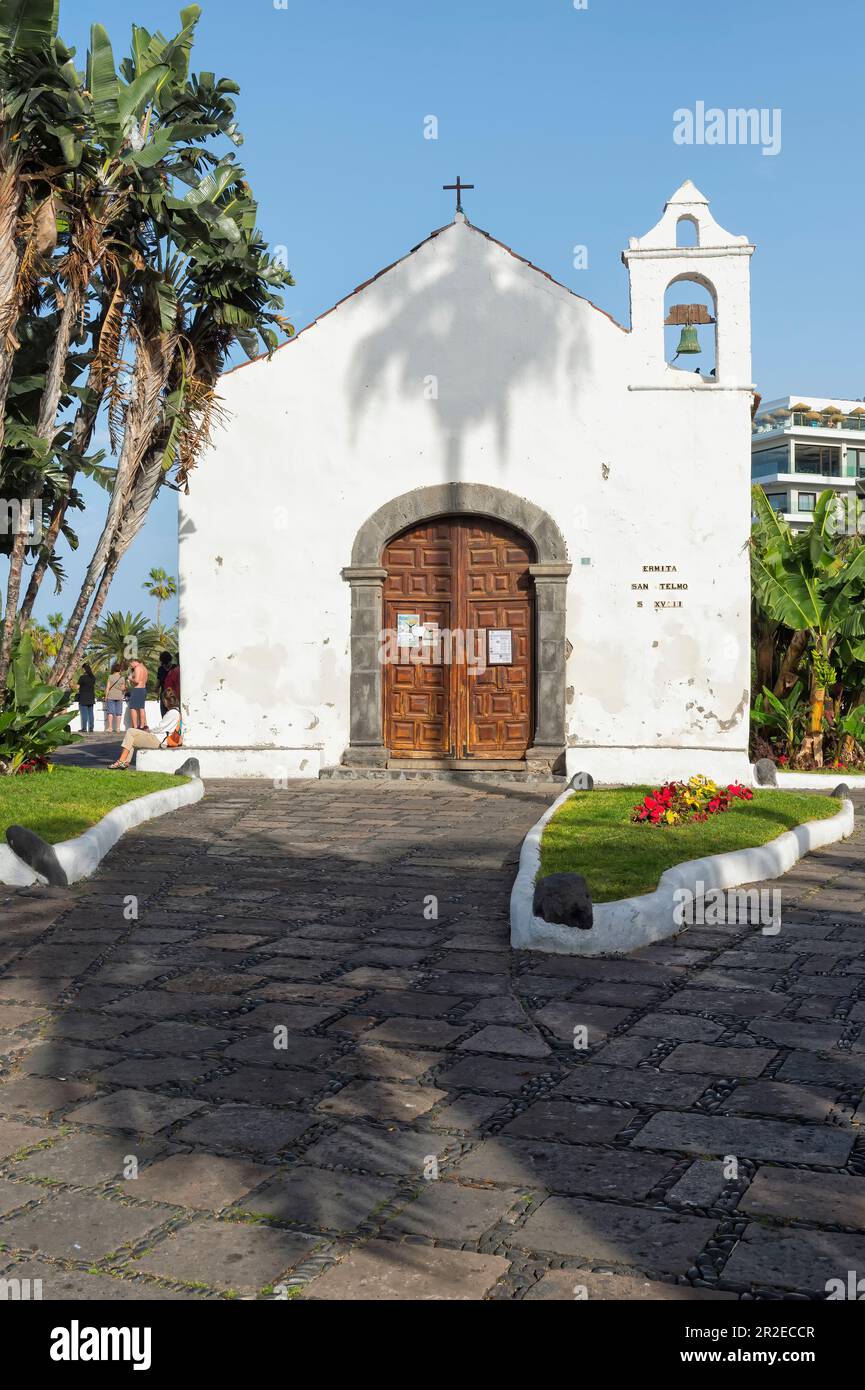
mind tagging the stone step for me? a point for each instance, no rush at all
(457, 765)
(476, 776)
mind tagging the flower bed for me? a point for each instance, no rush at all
(593, 834)
(694, 800)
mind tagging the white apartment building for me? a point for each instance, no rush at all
(801, 445)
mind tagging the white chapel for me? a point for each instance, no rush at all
(465, 520)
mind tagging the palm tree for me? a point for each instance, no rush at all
(83, 203)
(165, 639)
(42, 129)
(196, 278)
(162, 586)
(121, 637)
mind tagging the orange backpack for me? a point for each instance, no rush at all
(175, 738)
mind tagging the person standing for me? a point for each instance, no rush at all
(86, 697)
(138, 693)
(165, 660)
(171, 686)
(115, 691)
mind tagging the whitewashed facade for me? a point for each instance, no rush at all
(463, 378)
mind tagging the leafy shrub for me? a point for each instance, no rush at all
(35, 719)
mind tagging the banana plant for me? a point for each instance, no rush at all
(786, 716)
(810, 584)
(36, 716)
(852, 726)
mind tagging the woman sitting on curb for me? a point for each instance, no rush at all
(147, 738)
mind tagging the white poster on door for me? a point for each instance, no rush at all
(501, 646)
(408, 629)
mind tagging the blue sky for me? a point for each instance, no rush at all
(563, 118)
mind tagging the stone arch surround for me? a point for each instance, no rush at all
(366, 577)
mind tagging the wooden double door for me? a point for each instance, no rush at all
(459, 671)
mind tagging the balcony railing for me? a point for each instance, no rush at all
(810, 420)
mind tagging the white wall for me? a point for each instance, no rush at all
(539, 392)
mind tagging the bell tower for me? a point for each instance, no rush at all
(720, 263)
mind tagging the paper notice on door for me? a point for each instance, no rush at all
(501, 646)
(408, 629)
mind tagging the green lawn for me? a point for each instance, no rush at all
(67, 801)
(593, 836)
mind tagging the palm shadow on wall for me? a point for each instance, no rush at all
(479, 347)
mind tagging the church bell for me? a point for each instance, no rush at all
(688, 341)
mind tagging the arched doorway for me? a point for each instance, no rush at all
(458, 680)
(537, 533)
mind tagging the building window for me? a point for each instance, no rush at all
(777, 501)
(856, 463)
(767, 461)
(807, 501)
(824, 459)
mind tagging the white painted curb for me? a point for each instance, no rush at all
(81, 856)
(623, 926)
(816, 781)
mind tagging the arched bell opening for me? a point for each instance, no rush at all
(690, 325)
(687, 231)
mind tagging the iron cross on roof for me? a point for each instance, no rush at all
(458, 186)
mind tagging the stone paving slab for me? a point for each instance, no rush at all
(445, 1211)
(702, 1184)
(604, 1232)
(800, 1260)
(284, 1070)
(569, 1121)
(814, 1198)
(564, 1167)
(205, 1182)
(318, 1199)
(89, 1160)
(72, 1226)
(57, 1284)
(718, 1061)
(777, 1098)
(746, 1138)
(138, 1112)
(226, 1255)
(381, 1270)
(570, 1284)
